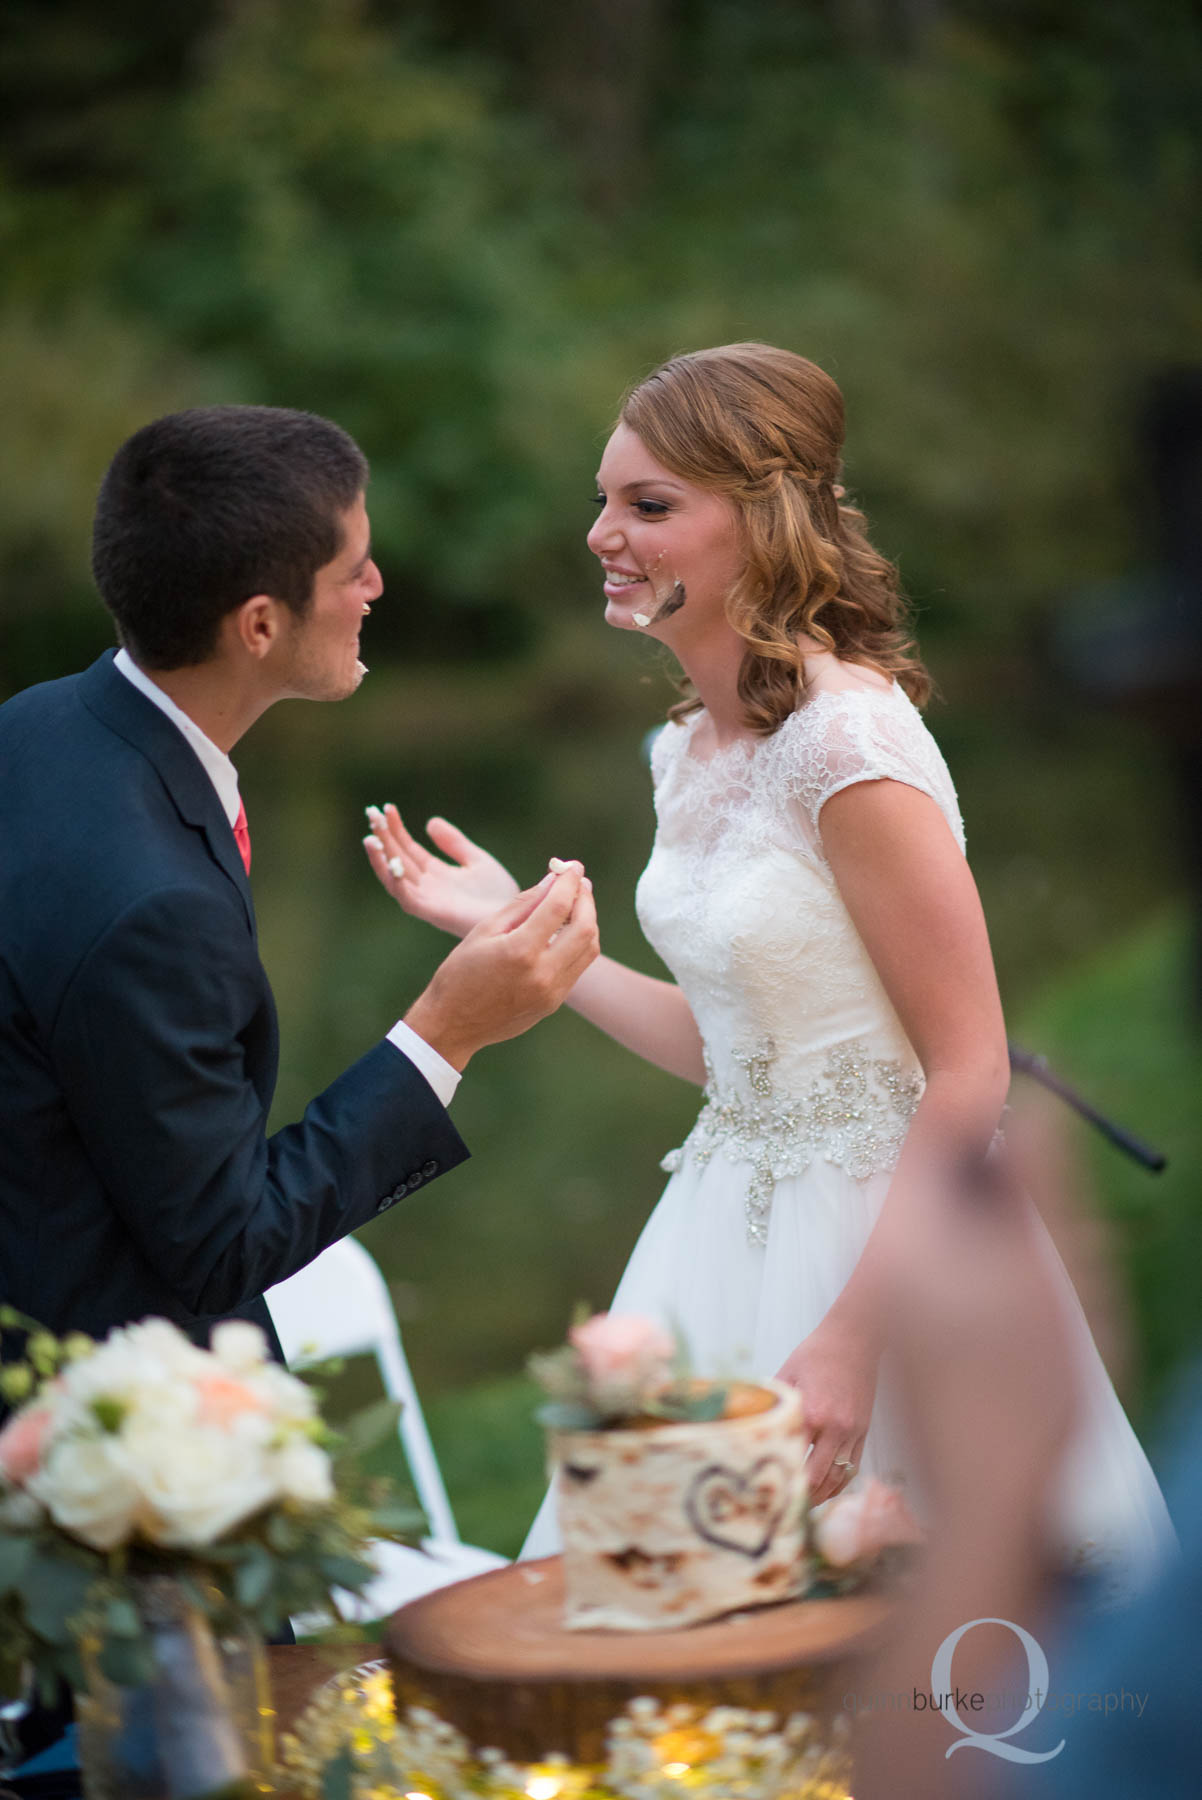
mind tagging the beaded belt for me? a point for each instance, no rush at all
(855, 1114)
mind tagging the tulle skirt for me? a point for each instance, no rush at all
(741, 1308)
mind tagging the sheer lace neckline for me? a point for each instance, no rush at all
(742, 750)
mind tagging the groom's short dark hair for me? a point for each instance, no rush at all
(201, 509)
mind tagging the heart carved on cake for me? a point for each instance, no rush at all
(739, 1510)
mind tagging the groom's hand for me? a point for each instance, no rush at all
(512, 970)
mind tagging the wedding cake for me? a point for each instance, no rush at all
(681, 1504)
(668, 1524)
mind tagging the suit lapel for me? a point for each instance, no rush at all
(118, 704)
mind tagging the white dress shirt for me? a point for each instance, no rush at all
(437, 1071)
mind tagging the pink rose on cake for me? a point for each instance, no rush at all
(617, 1368)
(853, 1529)
(622, 1354)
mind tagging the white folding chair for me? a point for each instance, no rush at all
(339, 1305)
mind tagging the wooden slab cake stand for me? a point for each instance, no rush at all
(491, 1657)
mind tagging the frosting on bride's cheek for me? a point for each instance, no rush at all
(663, 609)
(673, 603)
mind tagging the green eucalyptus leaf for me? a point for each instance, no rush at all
(56, 1593)
(702, 1407)
(254, 1577)
(121, 1618)
(346, 1571)
(283, 1533)
(399, 1521)
(15, 1553)
(126, 1662)
(569, 1415)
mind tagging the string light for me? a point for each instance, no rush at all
(708, 1753)
(557, 1779)
(543, 1787)
(682, 1748)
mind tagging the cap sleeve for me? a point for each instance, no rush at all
(864, 734)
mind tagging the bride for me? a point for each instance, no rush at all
(834, 992)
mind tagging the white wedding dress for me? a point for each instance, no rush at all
(811, 1087)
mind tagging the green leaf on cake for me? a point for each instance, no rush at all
(710, 1405)
(568, 1415)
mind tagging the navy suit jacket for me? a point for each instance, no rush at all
(138, 1041)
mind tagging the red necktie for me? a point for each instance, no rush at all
(242, 836)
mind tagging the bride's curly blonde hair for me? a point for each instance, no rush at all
(765, 427)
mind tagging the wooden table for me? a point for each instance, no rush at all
(492, 1657)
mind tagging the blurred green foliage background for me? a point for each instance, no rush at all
(461, 230)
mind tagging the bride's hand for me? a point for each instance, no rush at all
(836, 1372)
(455, 891)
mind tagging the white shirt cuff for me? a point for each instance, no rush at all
(436, 1069)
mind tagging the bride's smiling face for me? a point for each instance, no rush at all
(656, 530)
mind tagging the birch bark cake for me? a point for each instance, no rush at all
(668, 1524)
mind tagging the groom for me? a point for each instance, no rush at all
(138, 1042)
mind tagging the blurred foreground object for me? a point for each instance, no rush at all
(986, 1350)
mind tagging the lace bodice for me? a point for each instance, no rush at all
(804, 1052)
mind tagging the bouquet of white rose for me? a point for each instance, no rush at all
(146, 1456)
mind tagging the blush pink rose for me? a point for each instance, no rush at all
(223, 1397)
(855, 1527)
(623, 1350)
(21, 1443)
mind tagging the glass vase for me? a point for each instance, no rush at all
(199, 1729)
